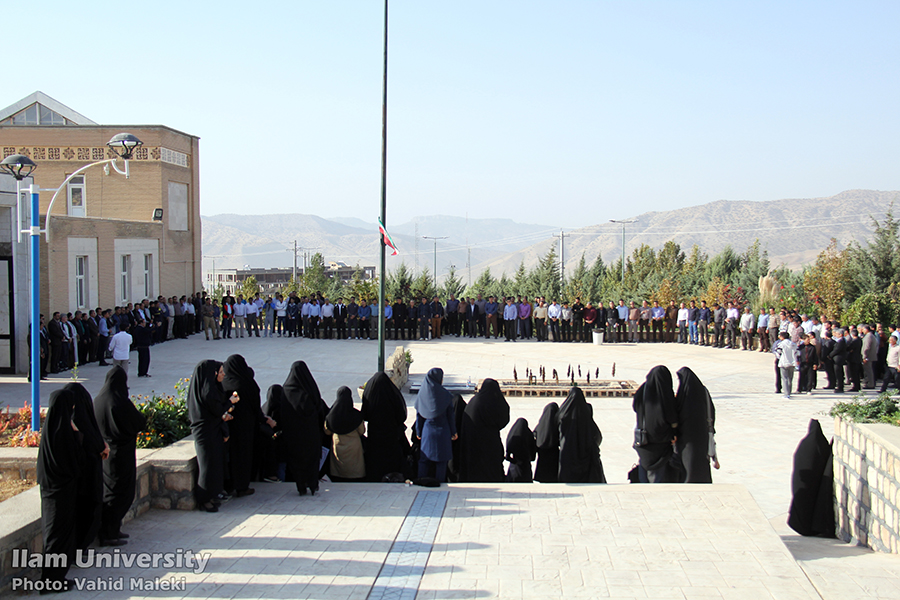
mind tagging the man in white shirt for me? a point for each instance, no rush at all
(732, 316)
(553, 315)
(747, 322)
(327, 318)
(788, 361)
(683, 314)
(240, 314)
(252, 318)
(189, 317)
(280, 313)
(120, 347)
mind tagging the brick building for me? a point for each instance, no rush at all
(105, 247)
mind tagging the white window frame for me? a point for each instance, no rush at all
(125, 277)
(82, 299)
(148, 275)
(80, 211)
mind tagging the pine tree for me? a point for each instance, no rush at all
(399, 283)
(315, 280)
(452, 284)
(485, 285)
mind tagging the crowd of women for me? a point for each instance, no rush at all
(86, 462)
(86, 470)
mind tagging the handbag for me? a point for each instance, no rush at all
(640, 434)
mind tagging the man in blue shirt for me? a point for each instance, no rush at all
(373, 319)
(657, 316)
(423, 315)
(491, 308)
(693, 320)
(362, 316)
(452, 316)
(703, 323)
(510, 316)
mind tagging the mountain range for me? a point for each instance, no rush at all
(792, 231)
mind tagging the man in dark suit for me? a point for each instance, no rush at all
(45, 349)
(839, 358)
(854, 359)
(827, 362)
(340, 319)
(93, 327)
(472, 318)
(54, 330)
(869, 351)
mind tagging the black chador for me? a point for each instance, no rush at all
(812, 504)
(696, 426)
(546, 435)
(520, 452)
(384, 408)
(486, 414)
(206, 405)
(657, 417)
(119, 421)
(303, 421)
(454, 466)
(59, 464)
(248, 418)
(90, 483)
(269, 450)
(579, 441)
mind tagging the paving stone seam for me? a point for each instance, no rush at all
(405, 562)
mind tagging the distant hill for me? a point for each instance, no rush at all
(264, 240)
(793, 231)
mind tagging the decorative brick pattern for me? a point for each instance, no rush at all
(866, 484)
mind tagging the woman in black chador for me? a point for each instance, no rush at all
(520, 451)
(696, 427)
(546, 436)
(208, 411)
(482, 449)
(812, 504)
(59, 465)
(248, 418)
(384, 408)
(90, 483)
(579, 441)
(270, 443)
(454, 466)
(119, 421)
(435, 426)
(303, 425)
(657, 418)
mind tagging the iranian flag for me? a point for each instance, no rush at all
(387, 239)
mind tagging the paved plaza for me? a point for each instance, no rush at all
(515, 540)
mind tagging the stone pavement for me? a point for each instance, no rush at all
(757, 431)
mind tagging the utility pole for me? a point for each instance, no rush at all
(562, 257)
(294, 275)
(623, 223)
(426, 237)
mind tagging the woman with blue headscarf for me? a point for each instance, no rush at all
(435, 426)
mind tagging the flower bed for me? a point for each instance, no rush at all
(167, 417)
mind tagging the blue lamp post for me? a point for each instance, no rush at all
(20, 167)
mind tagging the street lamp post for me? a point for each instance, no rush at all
(435, 255)
(623, 223)
(20, 167)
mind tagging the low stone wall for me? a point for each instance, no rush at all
(165, 480)
(398, 369)
(867, 484)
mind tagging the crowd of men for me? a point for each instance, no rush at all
(842, 354)
(69, 340)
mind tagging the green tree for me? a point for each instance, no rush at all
(523, 284)
(754, 264)
(579, 284)
(249, 287)
(361, 288)
(723, 264)
(823, 283)
(546, 275)
(315, 280)
(485, 284)
(452, 284)
(422, 286)
(399, 283)
(598, 280)
(693, 280)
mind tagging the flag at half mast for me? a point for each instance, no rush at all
(387, 239)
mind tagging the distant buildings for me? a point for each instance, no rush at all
(106, 248)
(273, 280)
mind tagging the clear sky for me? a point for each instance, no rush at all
(569, 113)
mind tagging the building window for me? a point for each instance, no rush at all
(148, 276)
(178, 206)
(76, 196)
(36, 114)
(81, 295)
(125, 276)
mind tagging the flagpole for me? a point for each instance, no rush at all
(381, 272)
